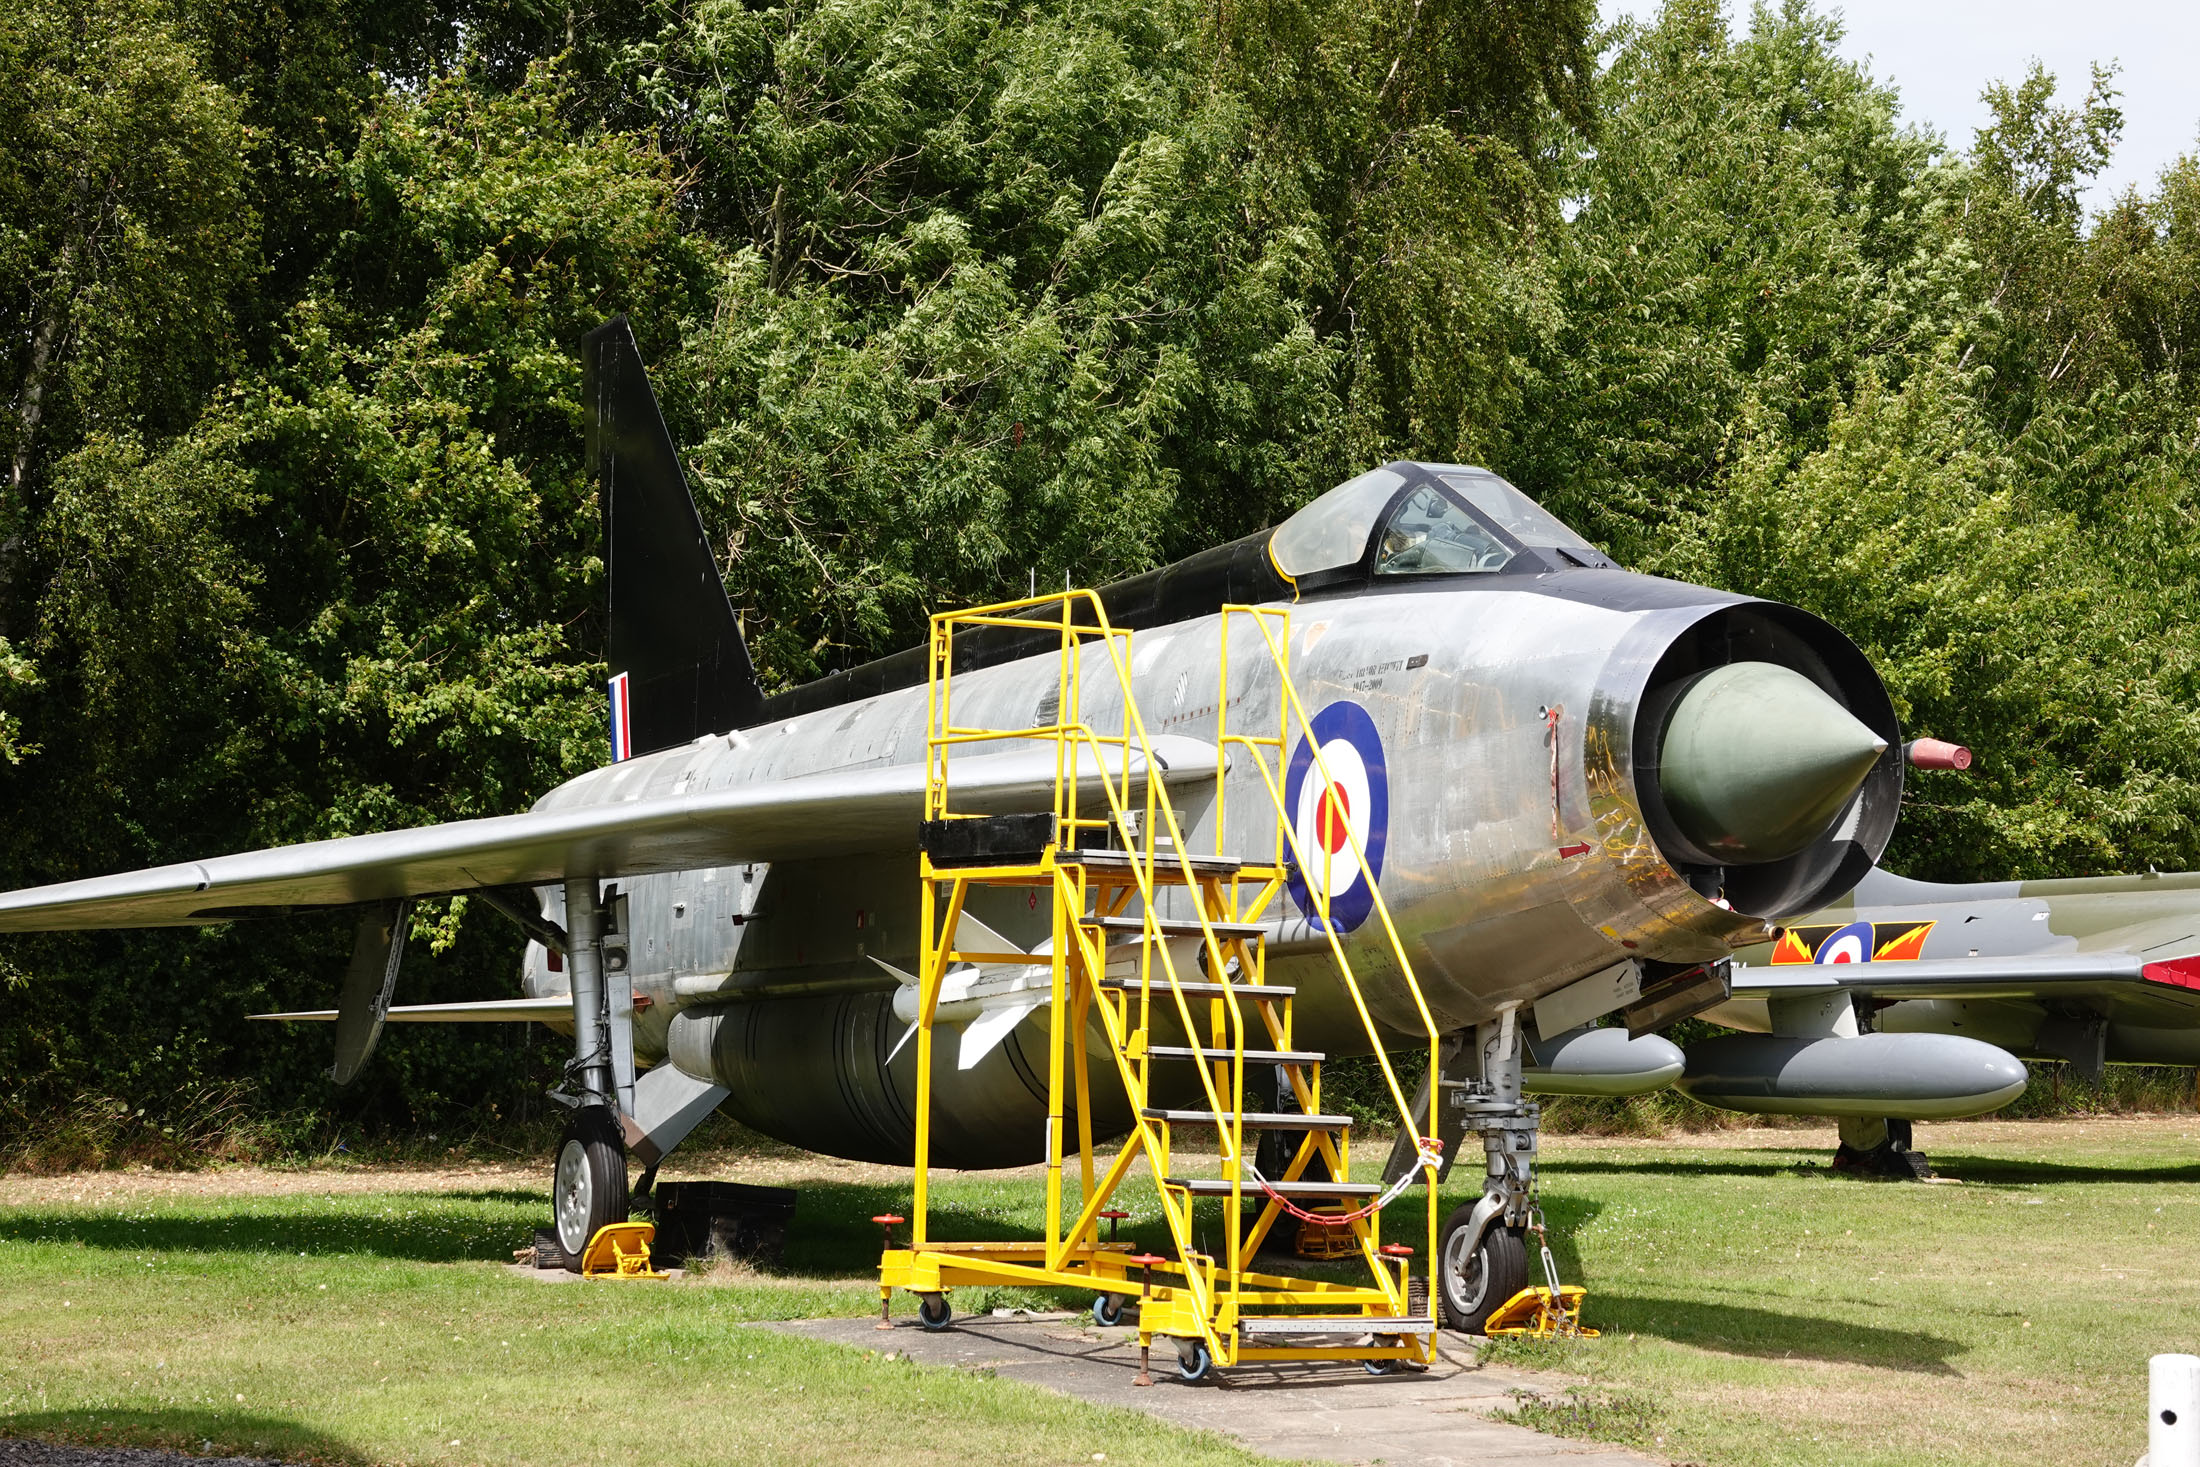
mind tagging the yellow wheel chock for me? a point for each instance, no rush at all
(620, 1251)
(1535, 1313)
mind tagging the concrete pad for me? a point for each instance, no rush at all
(1332, 1413)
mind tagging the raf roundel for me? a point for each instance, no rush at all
(1328, 817)
(1852, 944)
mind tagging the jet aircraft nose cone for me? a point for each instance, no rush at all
(1757, 760)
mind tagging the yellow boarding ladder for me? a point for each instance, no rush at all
(1129, 899)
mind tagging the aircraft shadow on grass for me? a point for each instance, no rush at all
(538, 1196)
(448, 1235)
(239, 1432)
(1738, 1329)
(832, 1236)
(2011, 1171)
(1743, 1164)
(1956, 1166)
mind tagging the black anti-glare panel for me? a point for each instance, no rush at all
(672, 630)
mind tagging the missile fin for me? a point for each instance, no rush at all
(901, 1043)
(973, 936)
(907, 980)
(982, 1035)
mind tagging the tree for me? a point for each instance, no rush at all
(1753, 227)
(121, 167)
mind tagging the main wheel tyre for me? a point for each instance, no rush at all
(588, 1190)
(1193, 1363)
(1107, 1309)
(1477, 1279)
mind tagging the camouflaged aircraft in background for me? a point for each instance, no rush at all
(1913, 1000)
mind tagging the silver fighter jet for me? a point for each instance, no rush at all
(1580, 789)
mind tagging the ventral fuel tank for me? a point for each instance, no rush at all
(1917, 1077)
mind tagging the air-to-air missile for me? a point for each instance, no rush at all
(1910, 1000)
(1580, 791)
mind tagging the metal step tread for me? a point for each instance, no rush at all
(1254, 1120)
(1205, 990)
(1168, 865)
(1253, 1056)
(1334, 1324)
(1220, 1187)
(1173, 927)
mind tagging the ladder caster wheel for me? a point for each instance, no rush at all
(1193, 1363)
(1379, 1367)
(1107, 1309)
(934, 1312)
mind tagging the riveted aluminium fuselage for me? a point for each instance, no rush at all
(1514, 847)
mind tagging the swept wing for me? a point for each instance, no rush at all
(860, 811)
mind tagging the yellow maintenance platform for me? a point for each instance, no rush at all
(1131, 901)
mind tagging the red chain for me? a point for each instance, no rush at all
(1346, 1219)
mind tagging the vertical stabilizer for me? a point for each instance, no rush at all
(673, 633)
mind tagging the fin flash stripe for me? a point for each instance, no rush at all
(622, 721)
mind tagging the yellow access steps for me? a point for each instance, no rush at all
(1130, 903)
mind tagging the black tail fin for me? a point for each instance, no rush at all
(673, 632)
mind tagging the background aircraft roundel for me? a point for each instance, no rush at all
(1358, 800)
(1857, 942)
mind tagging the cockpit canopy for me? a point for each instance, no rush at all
(1411, 519)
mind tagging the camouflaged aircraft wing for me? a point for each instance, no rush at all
(865, 811)
(2018, 975)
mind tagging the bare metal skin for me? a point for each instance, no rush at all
(788, 1010)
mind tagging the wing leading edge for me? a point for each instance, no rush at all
(864, 811)
(477, 1011)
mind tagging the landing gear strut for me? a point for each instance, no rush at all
(1482, 1253)
(589, 1186)
(1871, 1147)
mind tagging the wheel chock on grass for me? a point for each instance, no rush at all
(620, 1251)
(1536, 1313)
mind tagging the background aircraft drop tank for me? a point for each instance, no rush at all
(1915, 1077)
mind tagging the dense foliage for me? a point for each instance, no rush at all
(944, 293)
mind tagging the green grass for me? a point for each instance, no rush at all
(1757, 1310)
(380, 1327)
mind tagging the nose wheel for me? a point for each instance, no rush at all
(588, 1189)
(1476, 1277)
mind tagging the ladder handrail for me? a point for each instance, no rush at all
(1287, 827)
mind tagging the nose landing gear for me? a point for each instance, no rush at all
(1482, 1248)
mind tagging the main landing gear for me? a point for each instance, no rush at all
(1871, 1147)
(589, 1188)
